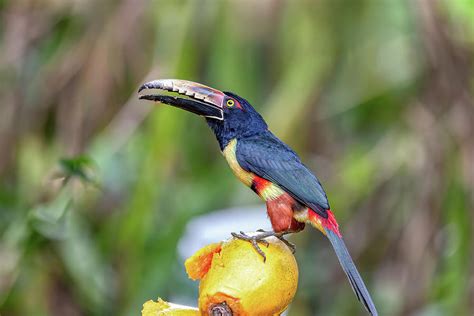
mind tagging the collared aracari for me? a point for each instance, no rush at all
(293, 194)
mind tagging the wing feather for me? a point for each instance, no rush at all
(270, 158)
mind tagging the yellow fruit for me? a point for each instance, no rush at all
(234, 273)
(198, 264)
(162, 308)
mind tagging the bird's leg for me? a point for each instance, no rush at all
(254, 240)
(280, 236)
(260, 238)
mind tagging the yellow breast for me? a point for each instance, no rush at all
(229, 154)
(270, 192)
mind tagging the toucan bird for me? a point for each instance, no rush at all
(293, 194)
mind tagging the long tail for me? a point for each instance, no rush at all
(330, 227)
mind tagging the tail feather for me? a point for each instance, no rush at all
(351, 271)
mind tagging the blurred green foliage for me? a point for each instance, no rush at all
(96, 187)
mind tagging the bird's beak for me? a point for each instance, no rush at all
(187, 95)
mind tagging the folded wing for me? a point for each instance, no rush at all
(269, 158)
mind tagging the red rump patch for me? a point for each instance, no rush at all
(328, 223)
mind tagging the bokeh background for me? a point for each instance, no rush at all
(97, 188)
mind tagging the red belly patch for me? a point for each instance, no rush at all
(259, 184)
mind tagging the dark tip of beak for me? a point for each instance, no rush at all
(150, 97)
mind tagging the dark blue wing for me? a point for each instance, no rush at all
(270, 158)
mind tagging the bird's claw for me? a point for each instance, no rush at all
(288, 244)
(254, 240)
(260, 238)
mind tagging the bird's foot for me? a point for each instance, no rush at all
(254, 240)
(260, 238)
(280, 236)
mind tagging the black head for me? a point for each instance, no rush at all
(240, 120)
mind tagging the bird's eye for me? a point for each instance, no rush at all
(230, 103)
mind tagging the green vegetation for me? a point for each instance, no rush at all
(96, 187)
